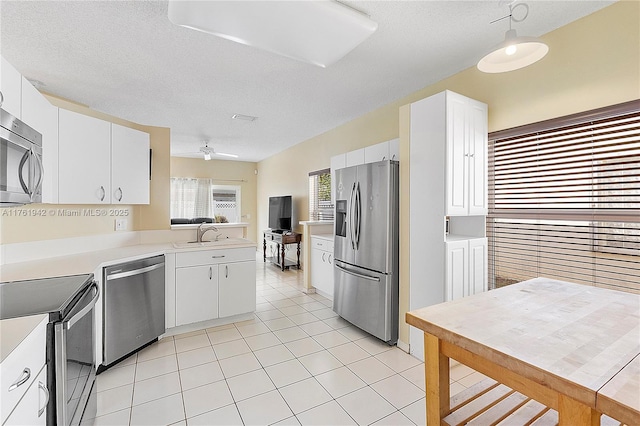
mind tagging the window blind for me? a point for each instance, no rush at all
(564, 200)
(320, 204)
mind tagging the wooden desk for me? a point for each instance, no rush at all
(620, 398)
(555, 342)
(281, 241)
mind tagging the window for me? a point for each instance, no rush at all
(564, 200)
(193, 198)
(320, 204)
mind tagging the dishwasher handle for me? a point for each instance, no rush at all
(134, 272)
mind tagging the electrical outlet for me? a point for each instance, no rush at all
(121, 224)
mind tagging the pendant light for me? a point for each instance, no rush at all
(514, 52)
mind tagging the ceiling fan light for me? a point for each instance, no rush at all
(514, 53)
(207, 156)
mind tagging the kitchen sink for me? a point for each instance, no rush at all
(221, 242)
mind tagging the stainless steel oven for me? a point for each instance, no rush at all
(21, 169)
(70, 347)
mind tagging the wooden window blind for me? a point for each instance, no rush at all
(564, 200)
(320, 205)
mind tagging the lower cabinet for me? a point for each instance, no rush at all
(236, 288)
(466, 270)
(322, 266)
(32, 408)
(214, 284)
(196, 294)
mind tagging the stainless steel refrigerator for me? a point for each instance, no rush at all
(366, 248)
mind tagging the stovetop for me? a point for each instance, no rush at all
(55, 296)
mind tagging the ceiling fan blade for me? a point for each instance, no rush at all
(226, 155)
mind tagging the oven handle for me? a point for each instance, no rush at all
(84, 310)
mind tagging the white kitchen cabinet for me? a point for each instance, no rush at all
(466, 155)
(84, 159)
(20, 367)
(32, 408)
(447, 139)
(388, 150)
(214, 283)
(322, 265)
(129, 166)
(196, 294)
(354, 158)
(236, 288)
(10, 88)
(466, 267)
(38, 113)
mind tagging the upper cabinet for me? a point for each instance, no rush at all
(10, 88)
(129, 166)
(466, 155)
(113, 161)
(389, 150)
(84, 163)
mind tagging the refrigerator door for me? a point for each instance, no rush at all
(367, 299)
(344, 243)
(376, 216)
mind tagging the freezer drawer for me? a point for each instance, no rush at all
(368, 300)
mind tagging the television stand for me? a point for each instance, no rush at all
(281, 239)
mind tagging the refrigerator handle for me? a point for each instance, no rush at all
(358, 215)
(363, 276)
(352, 236)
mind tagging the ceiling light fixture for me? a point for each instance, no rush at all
(243, 117)
(208, 151)
(514, 52)
(317, 32)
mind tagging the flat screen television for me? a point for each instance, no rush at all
(280, 212)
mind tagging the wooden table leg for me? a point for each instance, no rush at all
(572, 412)
(436, 368)
(265, 249)
(298, 264)
(283, 257)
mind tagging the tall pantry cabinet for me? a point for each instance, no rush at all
(447, 135)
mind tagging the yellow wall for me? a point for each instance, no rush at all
(592, 62)
(237, 173)
(48, 221)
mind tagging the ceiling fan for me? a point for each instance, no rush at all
(208, 152)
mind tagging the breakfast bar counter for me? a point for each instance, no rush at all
(549, 341)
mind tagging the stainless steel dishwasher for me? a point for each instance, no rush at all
(133, 307)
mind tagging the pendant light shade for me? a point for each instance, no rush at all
(513, 53)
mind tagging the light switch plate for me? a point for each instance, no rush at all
(121, 224)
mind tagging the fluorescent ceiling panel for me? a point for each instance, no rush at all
(317, 32)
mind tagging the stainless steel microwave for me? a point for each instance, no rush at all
(21, 169)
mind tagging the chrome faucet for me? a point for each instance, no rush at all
(202, 229)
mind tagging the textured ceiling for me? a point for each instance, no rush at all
(126, 59)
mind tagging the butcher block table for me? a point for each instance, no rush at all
(555, 353)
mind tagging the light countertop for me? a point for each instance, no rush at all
(13, 331)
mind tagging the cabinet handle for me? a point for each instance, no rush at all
(323, 256)
(226, 271)
(384, 157)
(103, 192)
(1, 98)
(330, 258)
(24, 376)
(46, 398)
(471, 155)
(210, 272)
(119, 190)
(218, 256)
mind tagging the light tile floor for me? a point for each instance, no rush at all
(296, 362)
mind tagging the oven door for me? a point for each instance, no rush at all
(75, 368)
(21, 169)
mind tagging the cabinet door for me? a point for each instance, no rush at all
(317, 268)
(394, 149)
(32, 408)
(197, 294)
(327, 274)
(38, 113)
(11, 88)
(457, 269)
(355, 158)
(457, 156)
(477, 147)
(84, 164)
(477, 265)
(237, 290)
(129, 166)
(377, 152)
